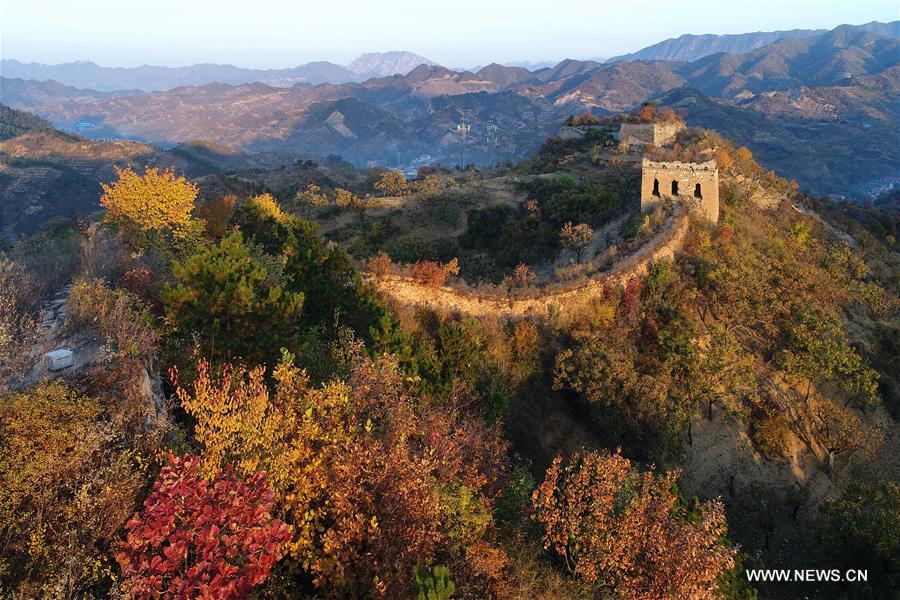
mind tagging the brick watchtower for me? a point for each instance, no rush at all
(696, 183)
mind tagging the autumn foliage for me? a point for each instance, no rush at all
(365, 481)
(216, 214)
(618, 527)
(201, 538)
(433, 273)
(392, 183)
(155, 203)
(67, 484)
(380, 265)
(576, 237)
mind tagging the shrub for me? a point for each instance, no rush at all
(346, 199)
(434, 585)
(858, 530)
(434, 274)
(216, 213)
(523, 276)
(18, 328)
(380, 265)
(67, 486)
(616, 526)
(583, 119)
(102, 256)
(355, 467)
(392, 183)
(49, 261)
(201, 538)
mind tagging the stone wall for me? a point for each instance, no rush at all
(643, 134)
(410, 292)
(697, 184)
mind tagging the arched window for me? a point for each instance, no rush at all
(656, 187)
(674, 187)
(697, 192)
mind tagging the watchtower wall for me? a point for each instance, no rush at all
(695, 183)
(657, 133)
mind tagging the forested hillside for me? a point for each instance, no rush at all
(250, 414)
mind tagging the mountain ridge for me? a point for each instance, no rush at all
(691, 47)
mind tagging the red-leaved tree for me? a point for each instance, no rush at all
(201, 538)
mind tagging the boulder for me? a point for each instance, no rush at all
(59, 359)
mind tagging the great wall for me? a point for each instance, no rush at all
(690, 185)
(664, 245)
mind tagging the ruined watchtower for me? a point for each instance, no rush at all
(696, 183)
(656, 133)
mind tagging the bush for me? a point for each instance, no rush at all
(617, 527)
(18, 328)
(413, 246)
(50, 262)
(202, 538)
(859, 531)
(67, 486)
(434, 585)
(380, 265)
(432, 273)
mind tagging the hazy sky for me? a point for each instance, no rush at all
(457, 34)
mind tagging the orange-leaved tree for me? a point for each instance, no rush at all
(619, 528)
(145, 207)
(392, 183)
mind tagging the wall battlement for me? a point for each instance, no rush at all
(696, 183)
(657, 133)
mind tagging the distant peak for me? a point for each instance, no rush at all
(384, 64)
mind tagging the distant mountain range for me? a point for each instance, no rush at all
(88, 75)
(820, 108)
(690, 47)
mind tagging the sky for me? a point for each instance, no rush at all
(461, 33)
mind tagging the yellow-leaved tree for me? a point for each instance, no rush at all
(150, 207)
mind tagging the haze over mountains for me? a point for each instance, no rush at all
(817, 107)
(148, 78)
(85, 74)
